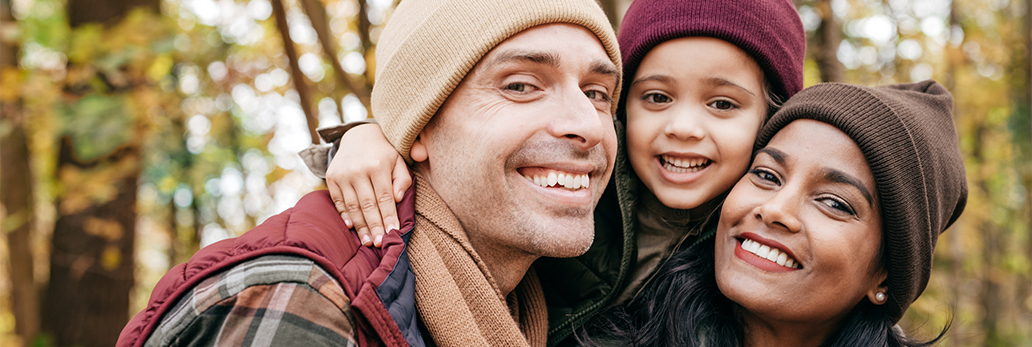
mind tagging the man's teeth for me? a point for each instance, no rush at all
(772, 254)
(680, 165)
(558, 179)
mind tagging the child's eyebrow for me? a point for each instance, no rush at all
(719, 82)
(657, 78)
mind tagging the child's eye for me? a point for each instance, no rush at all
(656, 98)
(765, 176)
(723, 105)
(838, 205)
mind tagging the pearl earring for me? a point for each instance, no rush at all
(880, 297)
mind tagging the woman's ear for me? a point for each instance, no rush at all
(879, 294)
(418, 151)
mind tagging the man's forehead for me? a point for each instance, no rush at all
(553, 45)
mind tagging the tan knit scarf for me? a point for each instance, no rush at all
(456, 296)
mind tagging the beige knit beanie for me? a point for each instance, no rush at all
(428, 47)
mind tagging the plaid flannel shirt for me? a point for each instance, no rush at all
(273, 300)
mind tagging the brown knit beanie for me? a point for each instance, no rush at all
(428, 47)
(906, 132)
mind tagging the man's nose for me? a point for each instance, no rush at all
(578, 121)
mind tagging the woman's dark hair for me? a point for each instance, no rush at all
(682, 306)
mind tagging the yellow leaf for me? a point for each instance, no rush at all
(111, 258)
(160, 68)
(10, 79)
(108, 229)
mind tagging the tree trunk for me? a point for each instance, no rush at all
(609, 7)
(320, 22)
(827, 39)
(16, 197)
(304, 94)
(91, 262)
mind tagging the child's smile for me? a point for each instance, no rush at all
(683, 165)
(693, 111)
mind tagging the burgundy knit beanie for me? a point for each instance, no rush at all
(906, 132)
(768, 30)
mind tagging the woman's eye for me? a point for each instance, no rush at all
(766, 176)
(723, 105)
(656, 98)
(838, 205)
(516, 87)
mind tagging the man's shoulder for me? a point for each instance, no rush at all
(282, 298)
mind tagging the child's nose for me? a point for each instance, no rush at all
(687, 124)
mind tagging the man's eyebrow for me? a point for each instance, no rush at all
(605, 67)
(717, 81)
(842, 177)
(537, 57)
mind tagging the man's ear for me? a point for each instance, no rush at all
(418, 151)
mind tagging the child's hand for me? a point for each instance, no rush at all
(366, 178)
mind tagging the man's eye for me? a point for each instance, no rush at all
(656, 98)
(723, 105)
(596, 95)
(517, 87)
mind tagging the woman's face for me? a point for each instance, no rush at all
(809, 204)
(693, 110)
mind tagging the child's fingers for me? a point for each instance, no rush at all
(402, 180)
(337, 196)
(369, 204)
(387, 208)
(354, 211)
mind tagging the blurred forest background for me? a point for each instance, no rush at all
(133, 132)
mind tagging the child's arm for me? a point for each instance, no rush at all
(366, 177)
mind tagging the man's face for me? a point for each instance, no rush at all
(536, 108)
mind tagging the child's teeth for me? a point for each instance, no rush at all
(680, 165)
(773, 254)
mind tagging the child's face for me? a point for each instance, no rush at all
(693, 111)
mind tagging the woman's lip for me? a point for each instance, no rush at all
(770, 243)
(761, 263)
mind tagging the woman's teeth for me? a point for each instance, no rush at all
(558, 179)
(680, 165)
(772, 254)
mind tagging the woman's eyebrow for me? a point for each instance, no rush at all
(842, 177)
(774, 153)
